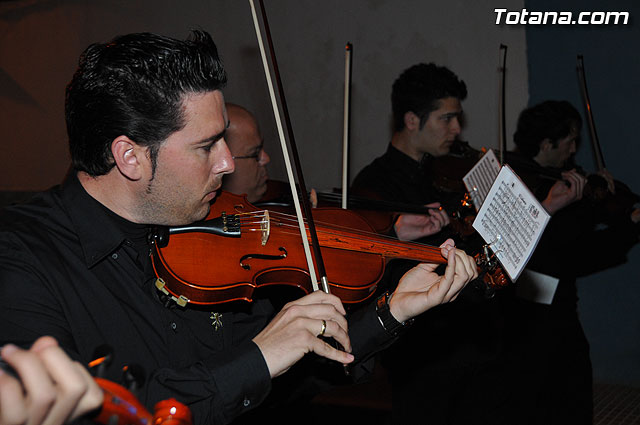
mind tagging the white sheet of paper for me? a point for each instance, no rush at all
(511, 221)
(480, 178)
(536, 287)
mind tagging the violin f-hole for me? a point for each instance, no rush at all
(262, 257)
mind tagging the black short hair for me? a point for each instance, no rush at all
(419, 88)
(135, 86)
(551, 119)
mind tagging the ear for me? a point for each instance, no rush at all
(131, 159)
(411, 121)
(546, 145)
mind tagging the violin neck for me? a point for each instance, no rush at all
(388, 248)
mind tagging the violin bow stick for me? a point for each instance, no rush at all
(294, 154)
(345, 128)
(503, 128)
(595, 143)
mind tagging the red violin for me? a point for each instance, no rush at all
(240, 248)
(120, 407)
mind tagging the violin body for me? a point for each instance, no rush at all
(209, 269)
(446, 173)
(448, 170)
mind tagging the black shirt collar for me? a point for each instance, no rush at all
(99, 233)
(402, 161)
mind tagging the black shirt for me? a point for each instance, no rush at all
(72, 269)
(396, 177)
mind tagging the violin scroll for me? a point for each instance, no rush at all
(491, 273)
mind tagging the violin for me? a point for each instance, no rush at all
(447, 171)
(239, 248)
(609, 206)
(120, 407)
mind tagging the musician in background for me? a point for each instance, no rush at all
(246, 145)
(147, 123)
(451, 379)
(552, 368)
(427, 117)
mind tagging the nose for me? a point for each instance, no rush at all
(223, 160)
(264, 158)
(455, 126)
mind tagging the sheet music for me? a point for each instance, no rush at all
(511, 221)
(480, 178)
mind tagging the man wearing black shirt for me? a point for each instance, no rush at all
(146, 123)
(427, 120)
(448, 383)
(551, 364)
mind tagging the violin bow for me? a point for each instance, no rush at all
(503, 127)
(345, 128)
(294, 154)
(595, 143)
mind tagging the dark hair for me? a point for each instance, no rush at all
(552, 119)
(419, 88)
(134, 86)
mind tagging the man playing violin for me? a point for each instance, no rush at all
(552, 366)
(427, 119)
(448, 382)
(147, 129)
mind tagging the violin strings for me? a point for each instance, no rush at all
(256, 218)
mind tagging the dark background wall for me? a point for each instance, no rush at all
(40, 41)
(609, 300)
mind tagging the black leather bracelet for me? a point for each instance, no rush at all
(388, 322)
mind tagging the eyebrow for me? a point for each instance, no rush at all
(215, 137)
(451, 114)
(257, 148)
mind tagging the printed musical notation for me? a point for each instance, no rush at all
(511, 221)
(480, 178)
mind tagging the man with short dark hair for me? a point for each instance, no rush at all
(427, 117)
(147, 123)
(551, 367)
(447, 382)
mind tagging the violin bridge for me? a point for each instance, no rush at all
(265, 227)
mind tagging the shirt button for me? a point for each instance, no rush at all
(174, 326)
(246, 402)
(114, 255)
